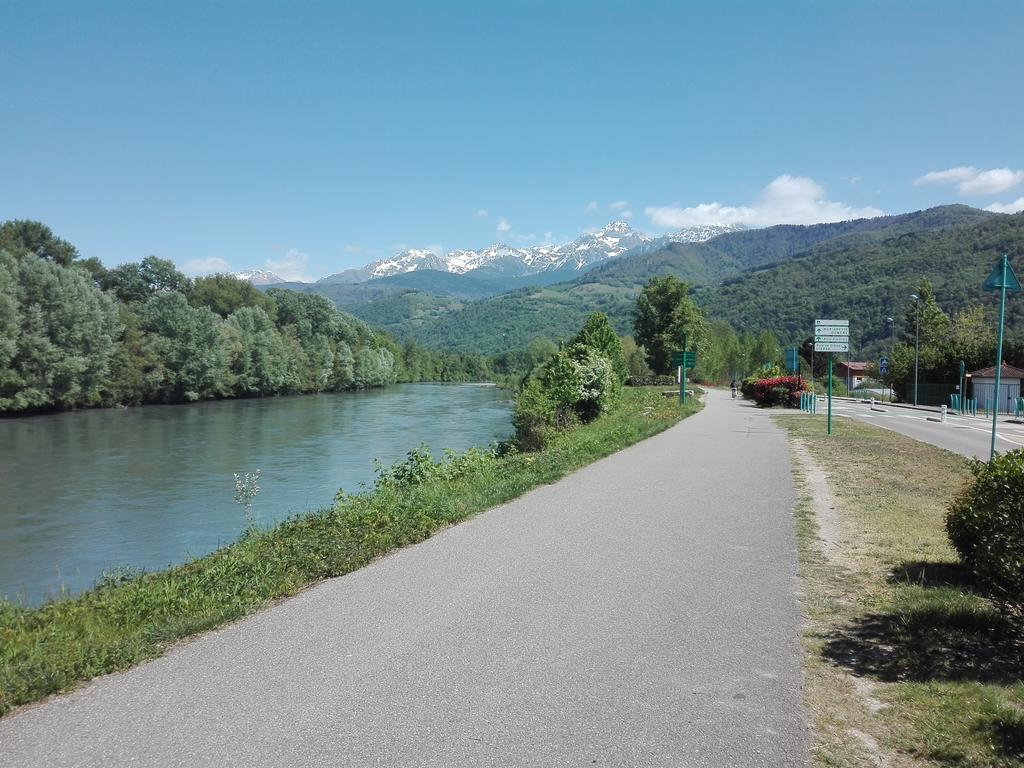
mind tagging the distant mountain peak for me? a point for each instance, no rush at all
(259, 276)
(613, 240)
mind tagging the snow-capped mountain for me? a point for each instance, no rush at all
(613, 241)
(259, 276)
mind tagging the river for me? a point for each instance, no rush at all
(84, 492)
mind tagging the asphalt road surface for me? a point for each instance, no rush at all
(641, 612)
(966, 435)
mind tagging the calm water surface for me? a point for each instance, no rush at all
(83, 492)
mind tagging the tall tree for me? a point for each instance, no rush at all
(20, 237)
(664, 312)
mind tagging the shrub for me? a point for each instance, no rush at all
(779, 390)
(533, 417)
(599, 384)
(986, 527)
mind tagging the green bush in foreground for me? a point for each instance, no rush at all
(132, 617)
(986, 527)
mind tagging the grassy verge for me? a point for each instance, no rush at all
(116, 625)
(905, 665)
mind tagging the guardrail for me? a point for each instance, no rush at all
(808, 402)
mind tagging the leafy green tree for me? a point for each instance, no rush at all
(21, 237)
(597, 334)
(60, 333)
(137, 281)
(636, 358)
(664, 312)
(973, 338)
(225, 294)
(192, 359)
(373, 368)
(261, 364)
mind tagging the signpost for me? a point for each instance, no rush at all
(683, 360)
(1002, 279)
(831, 336)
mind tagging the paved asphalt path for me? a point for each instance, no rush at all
(966, 435)
(641, 612)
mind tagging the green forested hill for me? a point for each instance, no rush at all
(868, 281)
(759, 247)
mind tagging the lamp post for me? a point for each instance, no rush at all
(892, 350)
(917, 340)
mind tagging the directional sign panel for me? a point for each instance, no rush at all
(831, 322)
(830, 331)
(831, 346)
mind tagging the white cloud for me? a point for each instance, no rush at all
(971, 181)
(291, 266)
(437, 248)
(621, 208)
(1015, 207)
(482, 213)
(786, 200)
(503, 225)
(206, 266)
(591, 206)
(351, 248)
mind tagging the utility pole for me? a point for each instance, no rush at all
(917, 340)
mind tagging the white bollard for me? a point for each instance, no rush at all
(943, 414)
(872, 403)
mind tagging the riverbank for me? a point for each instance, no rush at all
(118, 624)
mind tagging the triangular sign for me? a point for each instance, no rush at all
(995, 280)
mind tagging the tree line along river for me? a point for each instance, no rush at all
(147, 487)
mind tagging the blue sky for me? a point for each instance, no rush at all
(314, 136)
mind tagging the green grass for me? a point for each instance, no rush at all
(51, 648)
(891, 612)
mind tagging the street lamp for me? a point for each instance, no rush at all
(917, 340)
(892, 350)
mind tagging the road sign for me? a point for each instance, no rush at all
(830, 331)
(883, 365)
(686, 359)
(831, 346)
(997, 279)
(831, 322)
(792, 359)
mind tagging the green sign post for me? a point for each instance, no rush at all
(831, 336)
(683, 361)
(1002, 279)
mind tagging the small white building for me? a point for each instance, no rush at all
(984, 384)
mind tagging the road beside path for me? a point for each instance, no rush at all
(640, 612)
(966, 435)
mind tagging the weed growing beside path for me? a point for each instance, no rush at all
(906, 665)
(53, 647)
